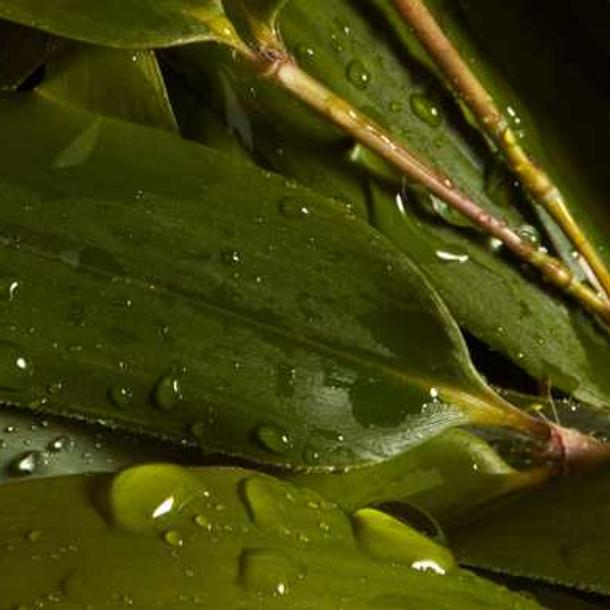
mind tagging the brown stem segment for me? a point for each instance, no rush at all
(533, 178)
(278, 66)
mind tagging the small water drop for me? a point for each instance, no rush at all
(311, 456)
(34, 535)
(425, 110)
(173, 538)
(358, 75)
(294, 209)
(274, 439)
(61, 443)
(231, 258)
(120, 395)
(28, 463)
(168, 392)
(396, 106)
(529, 234)
(268, 572)
(305, 52)
(15, 368)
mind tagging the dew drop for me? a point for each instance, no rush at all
(273, 438)
(396, 106)
(28, 463)
(358, 75)
(425, 110)
(529, 234)
(15, 368)
(268, 572)
(168, 392)
(120, 395)
(231, 258)
(34, 535)
(173, 538)
(294, 209)
(61, 443)
(142, 495)
(386, 539)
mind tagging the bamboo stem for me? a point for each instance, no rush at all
(279, 67)
(533, 178)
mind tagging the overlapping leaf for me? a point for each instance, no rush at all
(558, 534)
(260, 321)
(160, 536)
(487, 292)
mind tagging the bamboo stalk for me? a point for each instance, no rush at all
(533, 178)
(278, 66)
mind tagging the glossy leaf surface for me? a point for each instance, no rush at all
(558, 534)
(123, 84)
(160, 536)
(115, 23)
(262, 321)
(488, 293)
(448, 477)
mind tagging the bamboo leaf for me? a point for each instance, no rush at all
(525, 321)
(114, 23)
(22, 50)
(558, 534)
(219, 538)
(263, 322)
(448, 477)
(113, 82)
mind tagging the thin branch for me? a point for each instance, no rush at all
(533, 178)
(278, 66)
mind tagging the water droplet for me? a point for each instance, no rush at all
(203, 521)
(305, 52)
(286, 376)
(142, 495)
(294, 209)
(273, 438)
(167, 392)
(15, 368)
(28, 463)
(70, 258)
(495, 244)
(12, 290)
(448, 213)
(311, 456)
(425, 110)
(529, 234)
(61, 443)
(173, 538)
(231, 258)
(34, 535)
(396, 106)
(451, 257)
(358, 75)
(268, 572)
(121, 395)
(387, 539)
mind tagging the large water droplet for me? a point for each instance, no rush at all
(358, 75)
(273, 438)
(387, 539)
(425, 110)
(231, 258)
(32, 462)
(143, 496)
(167, 392)
(173, 538)
(15, 368)
(268, 572)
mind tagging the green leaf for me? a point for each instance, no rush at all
(489, 293)
(116, 23)
(22, 50)
(160, 536)
(35, 445)
(558, 534)
(447, 477)
(113, 82)
(261, 321)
